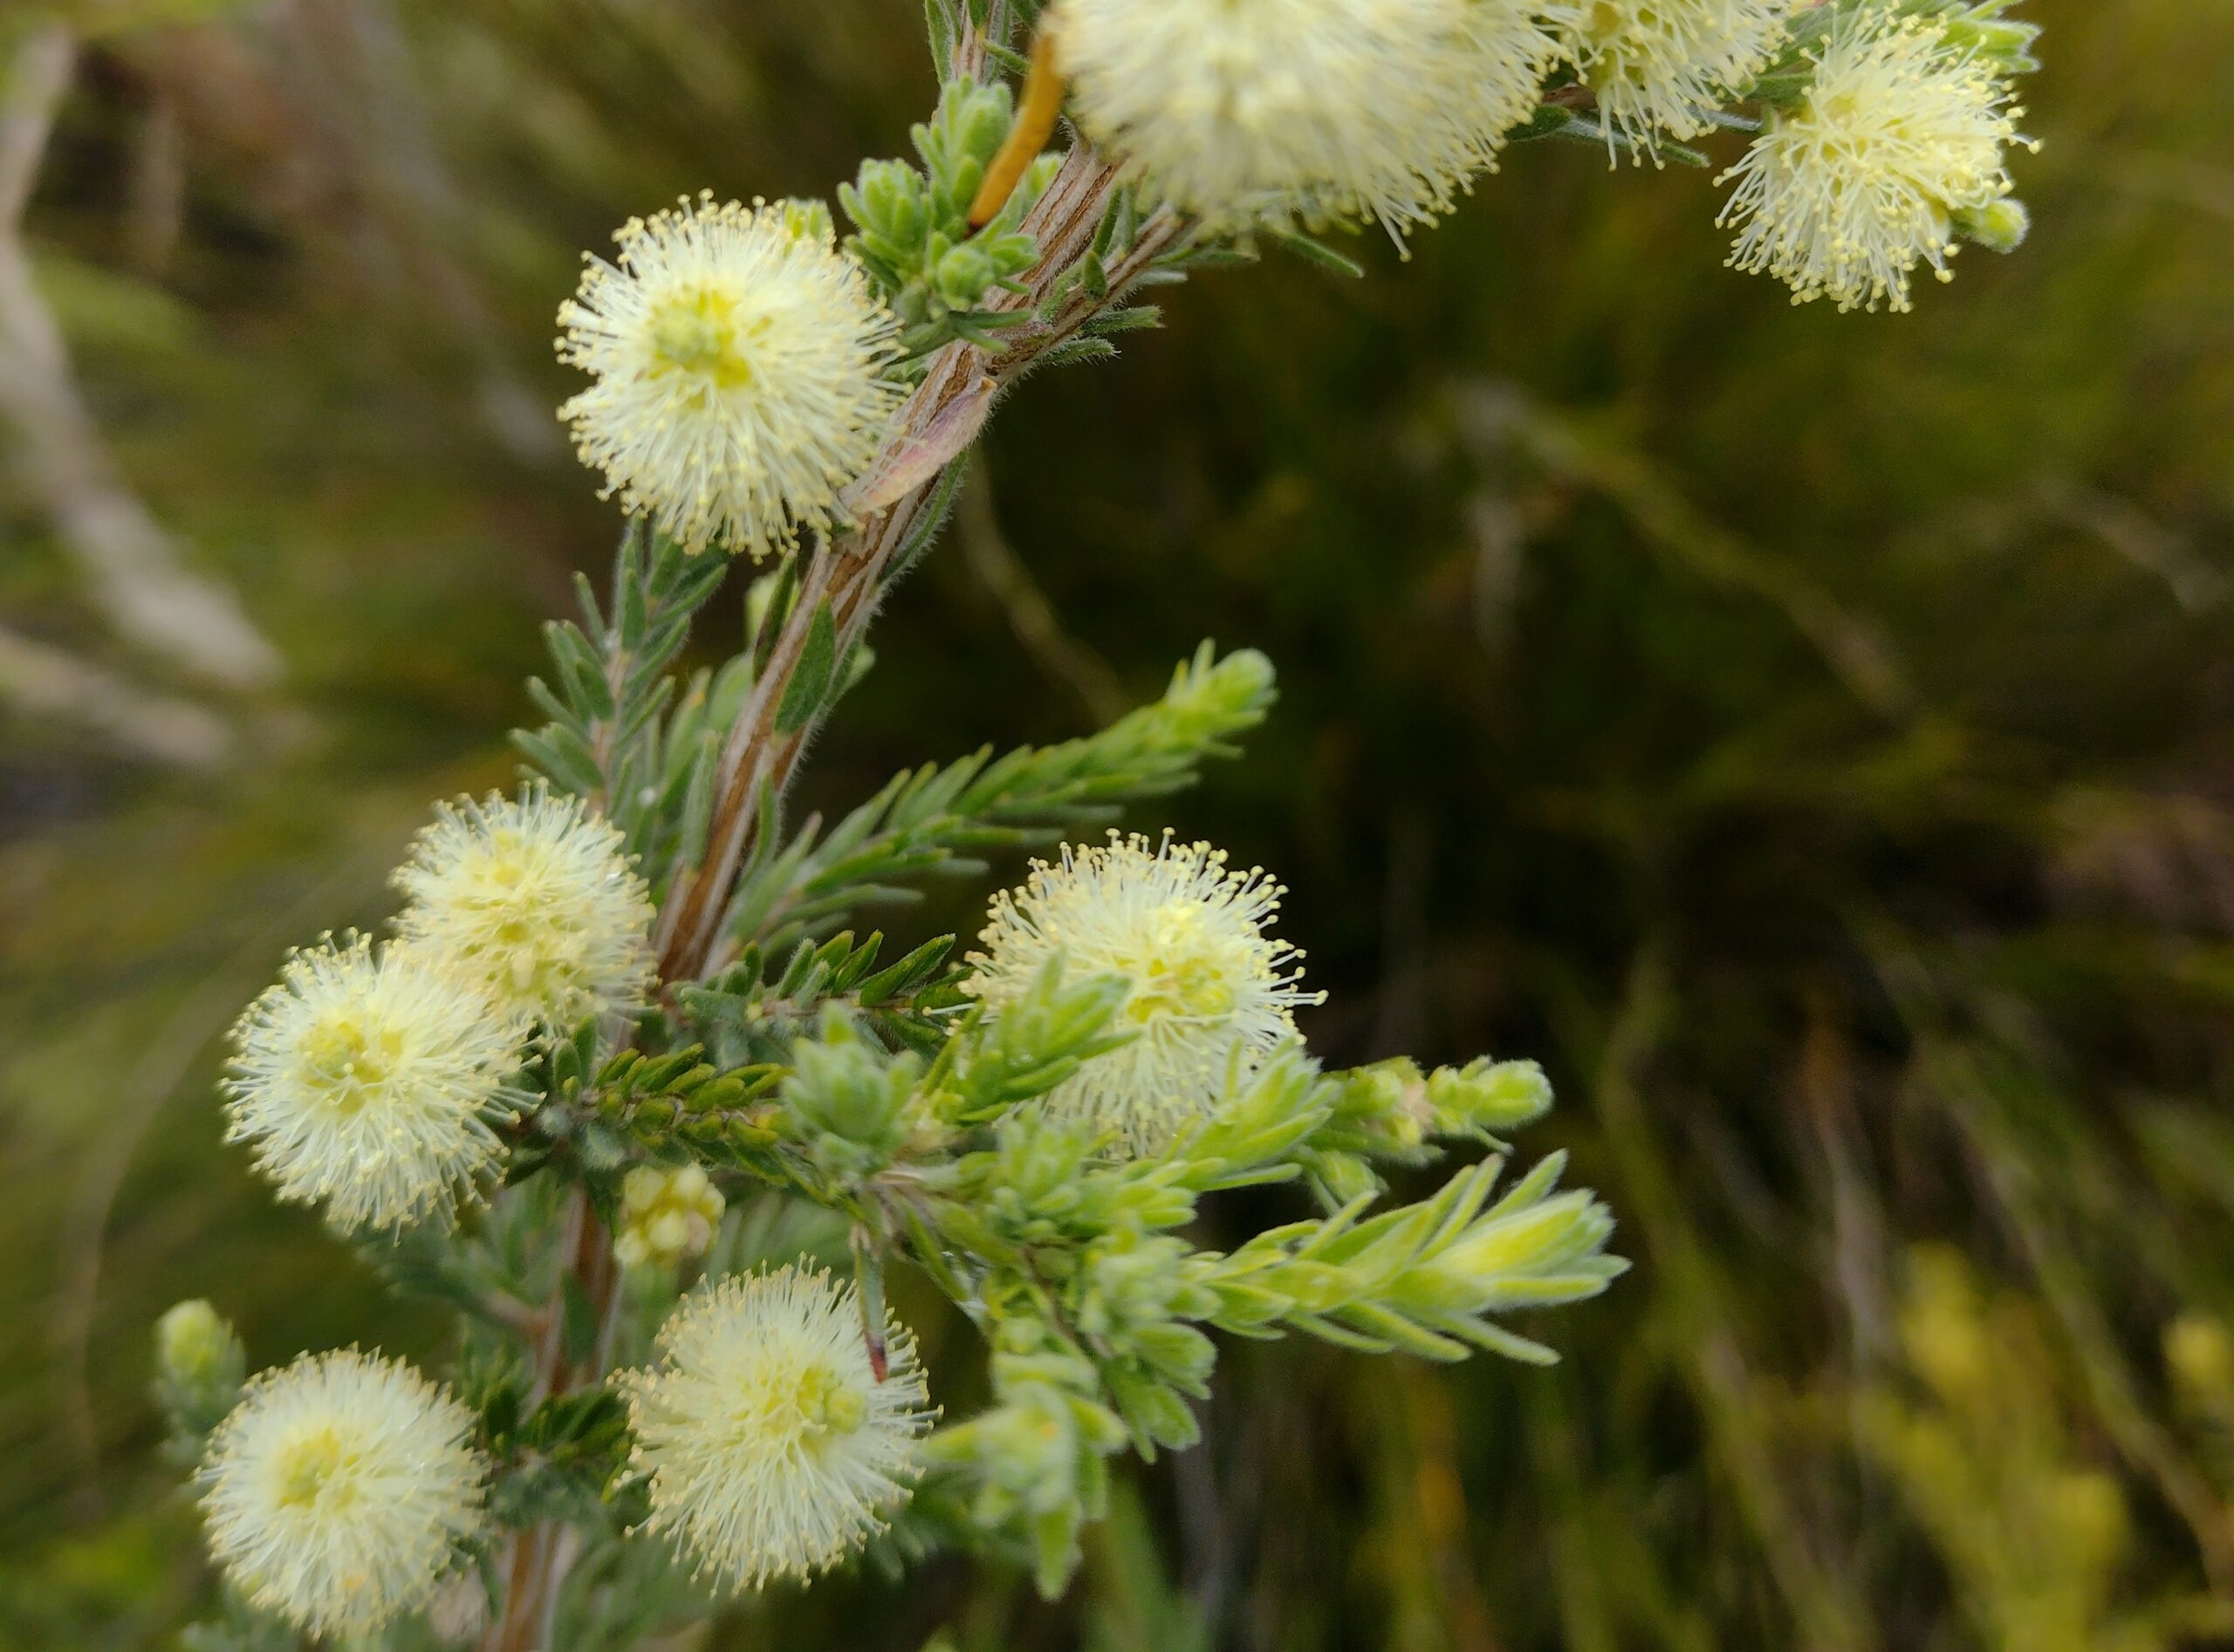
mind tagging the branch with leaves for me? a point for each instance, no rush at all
(631, 1089)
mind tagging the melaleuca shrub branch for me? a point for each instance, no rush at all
(631, 1086)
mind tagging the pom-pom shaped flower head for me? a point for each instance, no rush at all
(1659, 66)
(742, 371)
(1245, 110)
(1206, 988)
(368, 1081)
(771, 1447)
(1900, 132)
(533, 898)
(337, 1489)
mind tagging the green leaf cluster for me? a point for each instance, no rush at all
(942, 821)
(913, 229)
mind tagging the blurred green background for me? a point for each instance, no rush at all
(1809, 734)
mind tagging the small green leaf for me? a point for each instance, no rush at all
(810, 683)
(1318, 252)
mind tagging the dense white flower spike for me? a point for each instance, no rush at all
(337, 1489)
(368, 1080)
(667, 1214)
(1247, 111)
(1206, 987)
(535, 900)
(772, 1449)
(1657, 67)
(1843, 196)
(742, 371)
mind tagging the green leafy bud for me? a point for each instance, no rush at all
(961, 138)
(1209, 701)
(914, 232)
(1529, 1249)
(199, 1368)
(846, 1098)
(1036, 1042)
(963, 275)
(1487, 1096)
(2000, 41)
(2000, 226)
(1127, 1283)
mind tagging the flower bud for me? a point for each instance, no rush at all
(2006, 43)
(194, 1344)
(1488, 1095)
(962, 276)
(1999, 226)
(668, 1215)
(848, 1100)
(199, 1368)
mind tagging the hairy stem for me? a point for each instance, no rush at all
(853, 572)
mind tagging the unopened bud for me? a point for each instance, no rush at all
(192, 1341)
(2000, 226)
(199, 1368)
(2006, 45)
(1488, 1095)
(668, 1215)
(962, 276)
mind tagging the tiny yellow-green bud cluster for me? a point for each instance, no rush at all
(337, 1491)
(741, 365)
(668, 1215)
(771, 1447)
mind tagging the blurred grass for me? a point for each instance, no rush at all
(1809, 734)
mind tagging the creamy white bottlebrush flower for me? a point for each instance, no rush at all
(367, 1082)
(1206, 987)
(1656, 67)
(1843, 196)
(1244, 111)
(337, 1489)
(742, 365)
(772, 1449)
(536, 900)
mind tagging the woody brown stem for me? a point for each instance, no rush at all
(851, 573)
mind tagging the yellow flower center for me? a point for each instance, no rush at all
(312, 1469)
(346, 1060)
(1185, 969)
(1605, 21)
(828, 1404)
(698, 331)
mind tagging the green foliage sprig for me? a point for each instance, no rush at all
(913, 228)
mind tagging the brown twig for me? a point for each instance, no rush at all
(850, 574)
